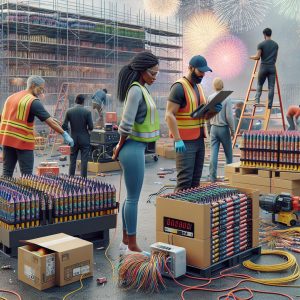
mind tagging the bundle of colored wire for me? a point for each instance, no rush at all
(140, 272)
(289, 263)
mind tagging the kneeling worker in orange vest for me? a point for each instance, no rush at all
(293, 115)
(189, 133)
(16, 127)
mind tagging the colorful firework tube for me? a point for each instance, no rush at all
(56, 208)
(75, 205)
(272, 150)
(96, 195)
(32, 210)
(39, 200)
(70, 206)
(50, 208)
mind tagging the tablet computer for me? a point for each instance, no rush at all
(203, 109)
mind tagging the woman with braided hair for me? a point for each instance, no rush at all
(139, 126)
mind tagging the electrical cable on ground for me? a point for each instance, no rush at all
(10, 292)
(290, 263)
(78, 289)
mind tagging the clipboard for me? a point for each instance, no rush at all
(203, 109)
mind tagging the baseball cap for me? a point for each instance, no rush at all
(200, 63)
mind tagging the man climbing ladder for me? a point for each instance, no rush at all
(267, 51)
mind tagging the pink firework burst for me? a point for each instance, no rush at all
(227, 57)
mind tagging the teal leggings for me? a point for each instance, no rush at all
(132, 159)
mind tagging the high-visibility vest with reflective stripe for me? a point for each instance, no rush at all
(148, 131)
(190, 128)
(15, 130)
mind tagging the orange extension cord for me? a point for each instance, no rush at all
(231, 290)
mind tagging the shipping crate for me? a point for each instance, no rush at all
(188, 225)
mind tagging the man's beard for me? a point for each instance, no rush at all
(196, 79)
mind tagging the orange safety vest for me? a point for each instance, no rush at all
(190, 128)
(15, 130)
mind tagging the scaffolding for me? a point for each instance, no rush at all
(82, 44)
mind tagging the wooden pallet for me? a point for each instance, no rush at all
(225, 263)
(264, 180)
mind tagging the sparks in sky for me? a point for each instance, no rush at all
(242, 15)
(200, 31)
(162, 8)
(288, 8)
(188, 8)
(227, 57)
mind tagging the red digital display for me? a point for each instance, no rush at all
(179, 227)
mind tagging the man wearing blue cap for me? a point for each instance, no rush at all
(99, 103)
(185, 96)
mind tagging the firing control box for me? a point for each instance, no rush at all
(176, 260)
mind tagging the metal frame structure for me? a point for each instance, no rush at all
(74, 42)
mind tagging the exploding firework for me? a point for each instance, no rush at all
(227, 57)
(242, 15)
(188, 8)
(201, 30)
(289, 8)
(162, 8)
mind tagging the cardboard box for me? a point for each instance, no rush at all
(279, 190)
(192, 213)
(64, 150)
(94, 167)
(111, 117)
(265, 173)
(198, 251)
(51, 168)
(286, 184)
(69, 258)
(232, 168)
(160, 150)
(37, 271)
(170, 152)
(286, 175)
(260, 188)
(251, 179)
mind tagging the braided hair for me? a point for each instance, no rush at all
(132, 72)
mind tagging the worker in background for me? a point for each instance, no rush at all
(81, 123)
(16, 128)
(188, 133)
(292, 116)
(139, 125)
(99, 100)
(267, 51)
(221, 129)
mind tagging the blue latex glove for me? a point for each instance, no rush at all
(67, 139)
(179, 146)
(218, 107)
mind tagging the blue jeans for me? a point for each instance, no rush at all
(219, 134)
(266, 71)
(132, 159)
(189, 164)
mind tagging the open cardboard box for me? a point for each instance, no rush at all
(66, 259)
